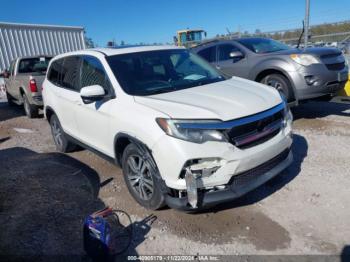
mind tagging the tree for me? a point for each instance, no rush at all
(122, 42)
(89, 43)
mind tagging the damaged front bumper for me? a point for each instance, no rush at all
(238, 186)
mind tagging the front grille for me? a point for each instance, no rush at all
(256, 132)
(327, 56)
(250, 175)
(336, 67)
(334, 61)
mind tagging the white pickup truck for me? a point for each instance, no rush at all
(23, 83)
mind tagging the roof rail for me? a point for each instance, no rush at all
(206, 42)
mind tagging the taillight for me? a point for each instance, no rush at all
(32, 86)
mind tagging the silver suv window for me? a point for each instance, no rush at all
(208, 54)
(225, 50)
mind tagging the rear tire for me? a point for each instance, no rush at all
(31, 111)
(281, 83)
(62, 143)
(140, 175)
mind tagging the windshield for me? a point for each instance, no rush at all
(155, 72)
(36, 64)
(262, 45)
(196, 36)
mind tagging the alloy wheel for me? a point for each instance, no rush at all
(57, 133)
(140, 176)
(276, 84)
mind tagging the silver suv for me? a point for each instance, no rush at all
(299, 74)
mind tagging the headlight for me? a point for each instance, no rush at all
(304, 59)
(173, 127)
(288, 116)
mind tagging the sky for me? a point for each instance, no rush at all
(156, 21)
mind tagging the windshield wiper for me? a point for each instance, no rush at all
(158, 91)
(209, 81)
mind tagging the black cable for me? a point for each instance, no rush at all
(130, 232)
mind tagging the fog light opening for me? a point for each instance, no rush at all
(202, 167)
(310, 80)
(191, 186)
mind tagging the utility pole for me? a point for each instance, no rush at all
(307, 16)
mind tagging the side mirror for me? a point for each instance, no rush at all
(90, 94)
(236, 55)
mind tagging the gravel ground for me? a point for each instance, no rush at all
(44, 195)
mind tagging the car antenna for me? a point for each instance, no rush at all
(301, 35)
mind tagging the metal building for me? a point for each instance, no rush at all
(30, 39)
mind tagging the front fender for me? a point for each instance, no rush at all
(275, 64)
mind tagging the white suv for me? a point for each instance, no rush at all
(183, 134)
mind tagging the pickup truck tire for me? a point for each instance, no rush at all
(280, 82)
(31, 111)
(59, 137)
(10, 99)
(140, 175)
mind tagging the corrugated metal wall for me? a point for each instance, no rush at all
(26, 40)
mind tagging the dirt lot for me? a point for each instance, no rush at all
(44, 196)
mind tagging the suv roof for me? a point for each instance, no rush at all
(117, 51)
(225, 41)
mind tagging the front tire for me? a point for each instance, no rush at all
(281, 83)
(140, 175)
(31, 111)
(62, 143)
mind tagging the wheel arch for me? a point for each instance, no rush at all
(260, 75)
(49, 112)
(22, 92)
(121, 141)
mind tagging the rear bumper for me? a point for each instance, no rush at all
(238, 186)
(37, 100)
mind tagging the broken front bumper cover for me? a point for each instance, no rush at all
(238, 186)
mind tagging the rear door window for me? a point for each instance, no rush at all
(70, 72)
(93, 73)
(54, 75)
(208, 54)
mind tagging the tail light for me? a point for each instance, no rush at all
(32, 85)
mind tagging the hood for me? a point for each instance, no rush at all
(225, 100)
